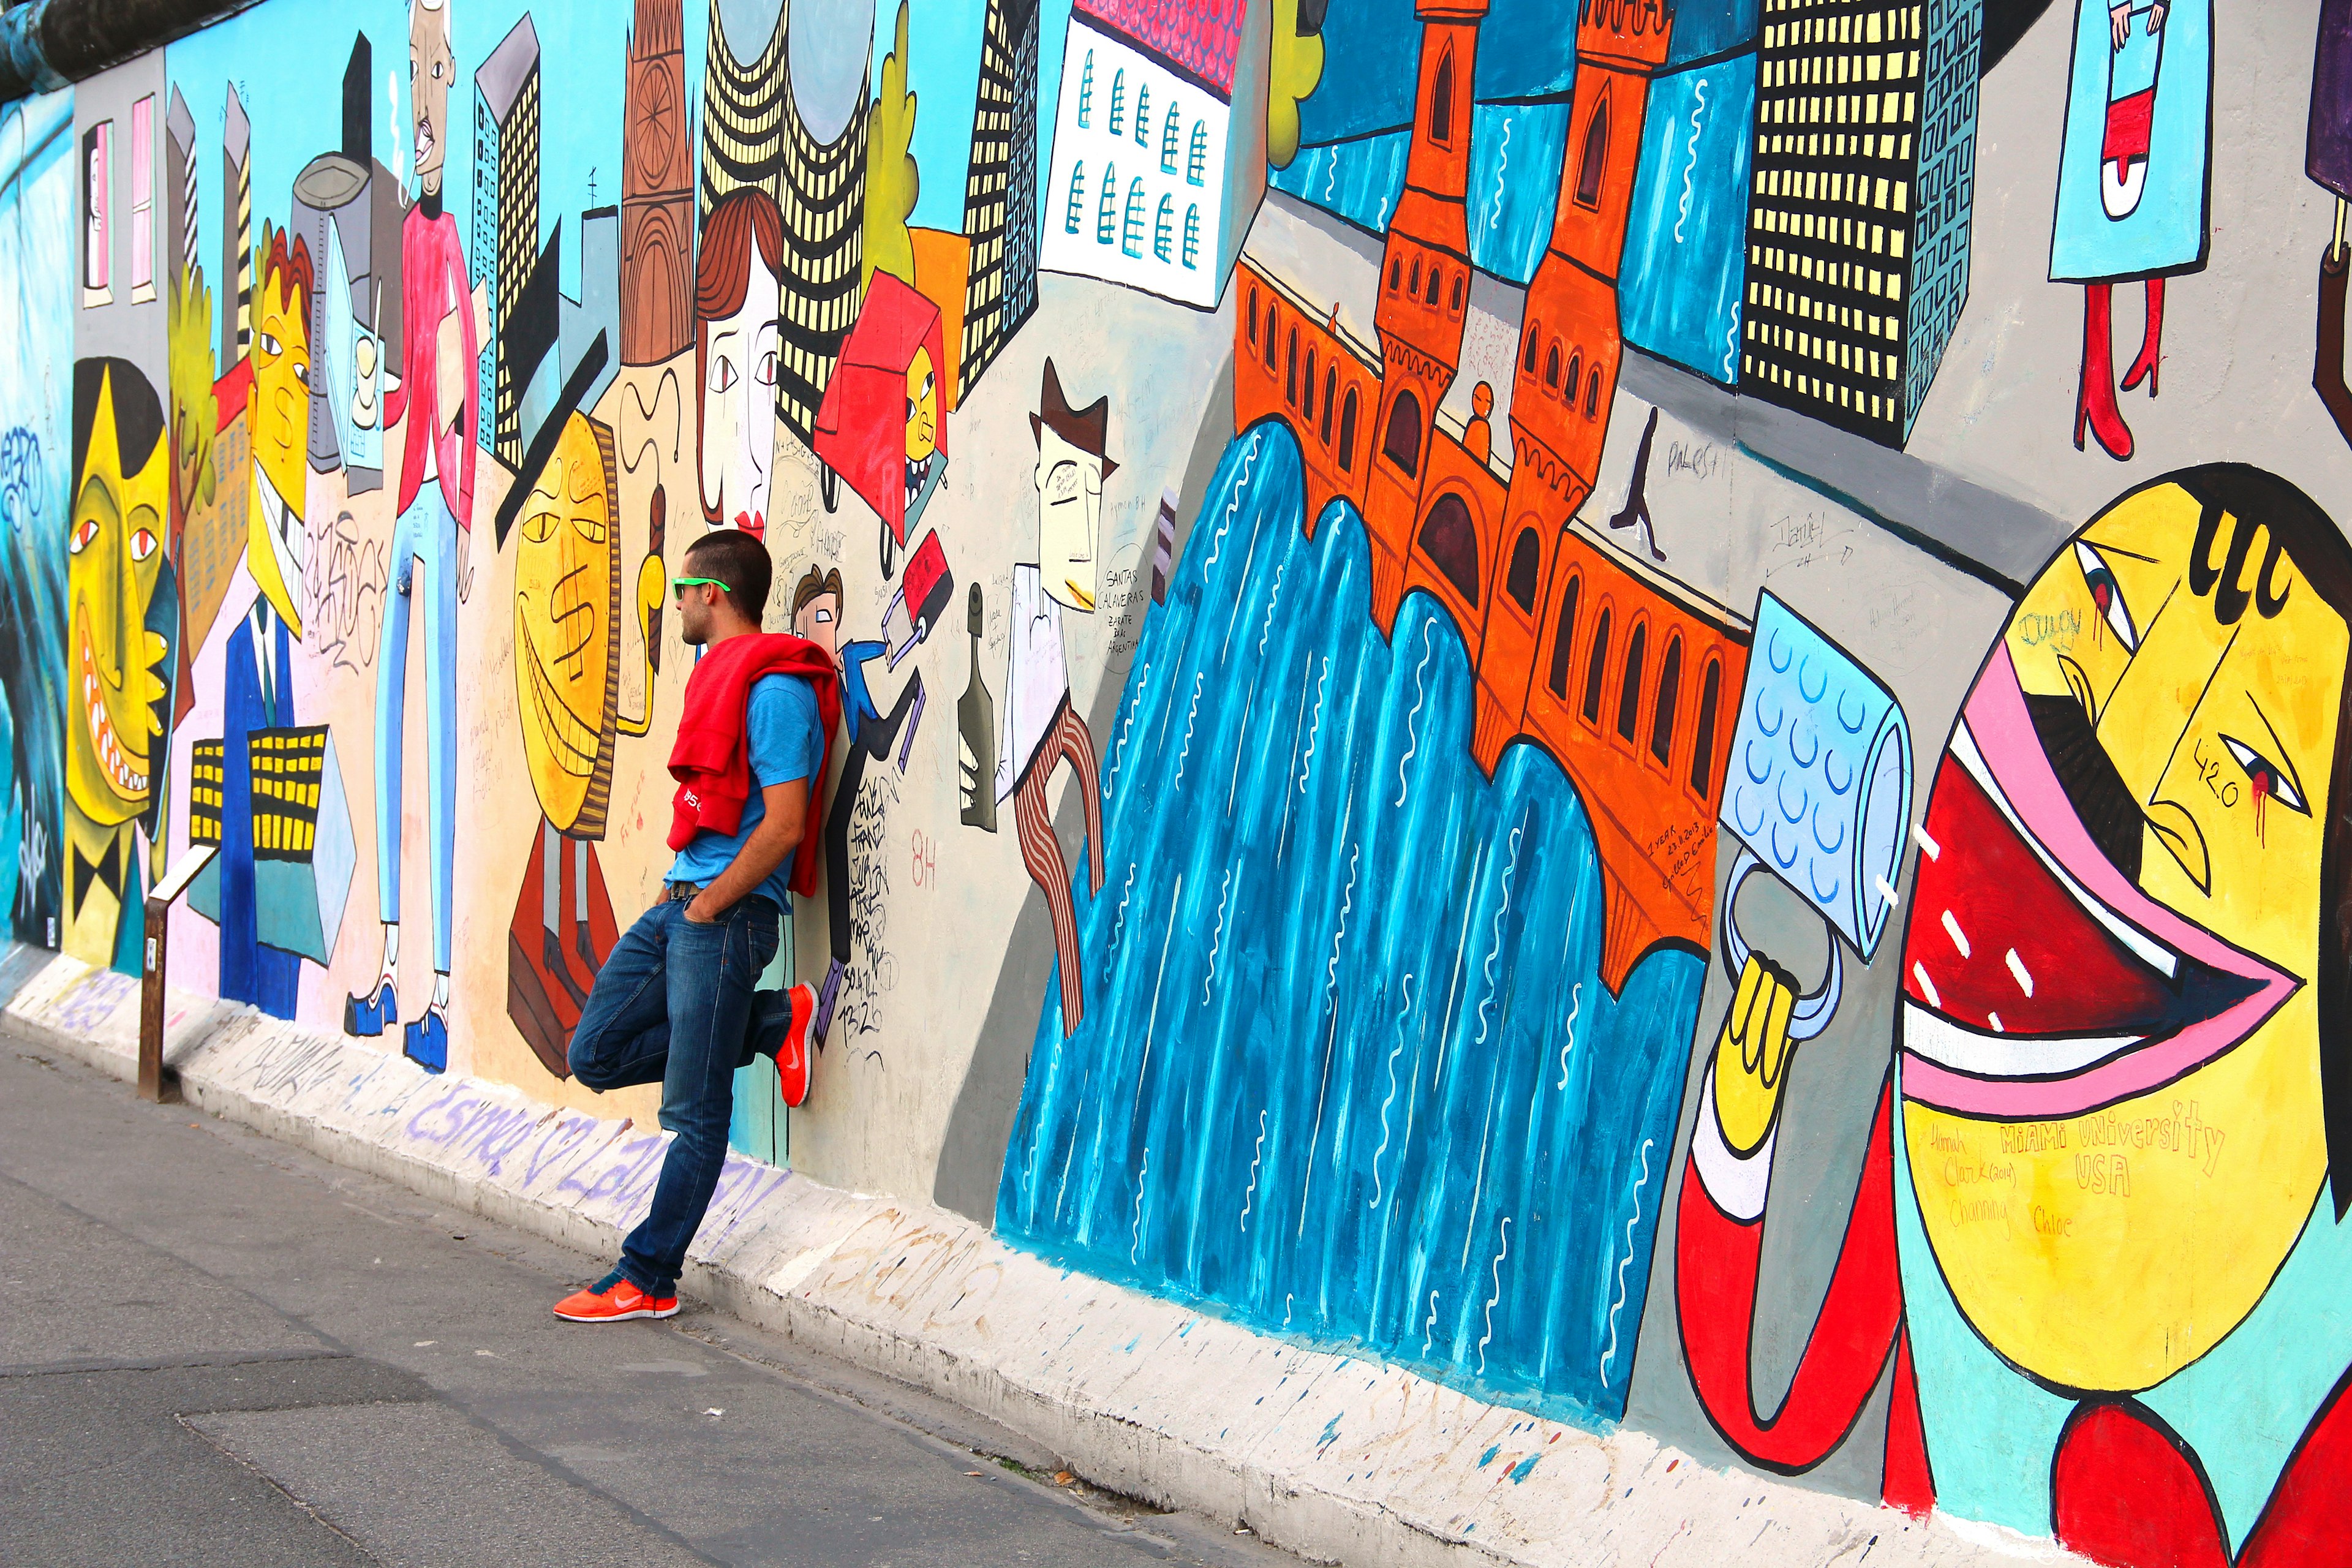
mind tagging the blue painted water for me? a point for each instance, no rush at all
(1686, 229)
(1348, 1070)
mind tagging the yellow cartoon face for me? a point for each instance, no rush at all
(279, 420)
(115, 567)
(922, 408)
(2111, 1025)
(567, 622)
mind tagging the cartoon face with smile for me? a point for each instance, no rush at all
(278, 415)
(431, 67)
(567, 623)
(2122, 963)
(737, 342)
(119, 599)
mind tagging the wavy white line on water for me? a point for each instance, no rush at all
(1731, 339)
(1184, 753)
(1217, 940)
(1118, 920)
(1429, 1329)
(1611, 1355)
(1315, 728)
(1383, 1149)
(1575, 1002)
(1298, 719)
(1331, 1001)
(1488, 1337)
(1690, 161)
(1496, 950)
(1133, 698)
(1135, 1244)
(1233, 507)
(1257, 1154)
(1272, 600)
(1502, 162)
(1412, 743)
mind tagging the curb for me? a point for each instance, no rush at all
(1337, 1459)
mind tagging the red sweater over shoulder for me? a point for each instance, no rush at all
(712, 758)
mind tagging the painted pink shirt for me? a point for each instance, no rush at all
(433, 284)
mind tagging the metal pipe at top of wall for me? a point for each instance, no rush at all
(48, 44)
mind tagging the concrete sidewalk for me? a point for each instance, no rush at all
(1337, 1459)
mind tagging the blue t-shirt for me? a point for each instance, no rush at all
(786, 745)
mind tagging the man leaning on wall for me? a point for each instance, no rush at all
(673, 1005)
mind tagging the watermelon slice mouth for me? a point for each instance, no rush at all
(2039, 980)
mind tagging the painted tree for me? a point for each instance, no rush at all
(1298, 68)
(893, 181)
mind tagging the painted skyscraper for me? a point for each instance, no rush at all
(1000, 203)
(656, 193)
(504, 246)
(1858, 222)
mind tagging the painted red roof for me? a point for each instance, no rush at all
(1203, 36)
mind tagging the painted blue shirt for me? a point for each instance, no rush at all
(786, 745)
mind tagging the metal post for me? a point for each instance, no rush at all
(151, 1083)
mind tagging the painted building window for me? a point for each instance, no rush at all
(1401, 443)
(1416, 288)
(1629, 690)
(1086, 91)
(1143, 114)
(1163, 227)
(1192, 234)
(1551, 365)
(1440, 102)
(1118, 102)
(1269, 336)
(1454, 306)
(1107, 209)
(1563, 637)
(1670, 691)
(1575, 372)
(1593, 394)
(1527, 561)
(1596, 669)
(1253, 315)
(1450, 539)
(1595, 161)
(97, 165)
(1330, 391)
(1348, 433)
(1078, 196)
(1527, 362)
(1290, 371)
(1436, 276)
(1196, 161)
(1710, 698)
(1306, 388)
(143, 199)
(1131, 230)
(1396, 273)
(1169, 140)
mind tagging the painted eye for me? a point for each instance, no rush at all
(83, 533)
(142, 546)
(302, 373)
(2266, 777)
(767, 372)
(722, 375)
(2107, 595)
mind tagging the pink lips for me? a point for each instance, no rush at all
(1996, 726)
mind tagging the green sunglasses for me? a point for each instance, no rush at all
(681, 585)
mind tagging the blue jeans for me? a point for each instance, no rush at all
(424, 565)
(673, 1005)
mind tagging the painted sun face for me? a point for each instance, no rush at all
(431, 66)
(567, 585)
(2110, 1029)
(739, 406)
(277, 545)
(115, 568)
(922, 408)
(1069, 513)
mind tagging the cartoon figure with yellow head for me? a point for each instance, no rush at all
(122, 636)
(568, 655)
(2100, 1235)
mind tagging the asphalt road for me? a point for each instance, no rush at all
(220, 1350)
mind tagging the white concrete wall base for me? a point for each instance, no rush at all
(1339, 1458)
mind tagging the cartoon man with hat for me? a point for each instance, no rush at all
(1039, 729)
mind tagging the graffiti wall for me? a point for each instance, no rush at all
(1576, 693)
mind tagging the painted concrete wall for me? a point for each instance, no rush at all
(1776, 877)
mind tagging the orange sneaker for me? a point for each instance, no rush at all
(613, 1300)
(796, 1063)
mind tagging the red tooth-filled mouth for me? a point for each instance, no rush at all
(2038, 980)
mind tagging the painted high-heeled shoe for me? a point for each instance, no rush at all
(2095, 400)
(2151, 346)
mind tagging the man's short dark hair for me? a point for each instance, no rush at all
(741, 561)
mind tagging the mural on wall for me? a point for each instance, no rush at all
(36, 214)
(1608, 852)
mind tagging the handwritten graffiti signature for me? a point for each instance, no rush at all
(342, 595)
(20, 477)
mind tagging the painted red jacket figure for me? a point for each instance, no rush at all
(2099, 1231)
(434, 290)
